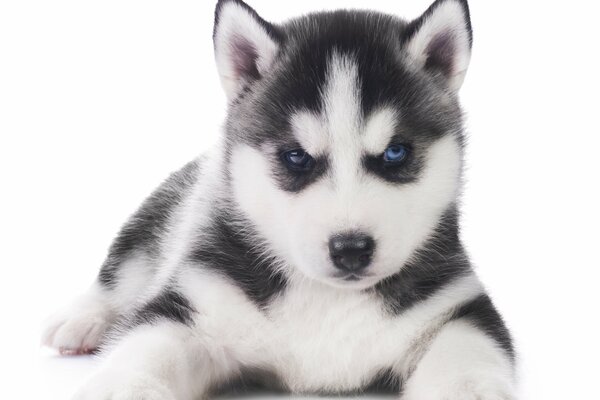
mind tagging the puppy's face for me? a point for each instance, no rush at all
(344, 146)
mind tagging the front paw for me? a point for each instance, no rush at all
(460, 390)
(78, 329)
(123, 385)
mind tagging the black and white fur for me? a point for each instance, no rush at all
(224, 273)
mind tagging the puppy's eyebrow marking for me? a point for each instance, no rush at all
(310, 131)
(380, 127)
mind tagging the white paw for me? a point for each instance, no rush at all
(80, 328)
(461, 390)
(123, 385)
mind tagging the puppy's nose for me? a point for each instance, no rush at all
(351, 252)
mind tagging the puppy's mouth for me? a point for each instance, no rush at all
(351, 276)
(352, 280)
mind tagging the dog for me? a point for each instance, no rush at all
(316, 248)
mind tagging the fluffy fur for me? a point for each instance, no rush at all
(224, 274)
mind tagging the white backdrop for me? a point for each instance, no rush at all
(100, 100)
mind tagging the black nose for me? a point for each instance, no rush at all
(351, 252)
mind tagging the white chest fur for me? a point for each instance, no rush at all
(324, 337)
(316, 337)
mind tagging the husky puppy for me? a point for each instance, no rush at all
(317, 247)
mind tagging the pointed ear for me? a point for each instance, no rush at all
(440, 41)
(245, 45)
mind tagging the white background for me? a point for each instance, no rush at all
(100, 100)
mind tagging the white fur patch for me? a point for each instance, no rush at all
(311, 132)
(380, 128)
(343, 114)
(316, 326)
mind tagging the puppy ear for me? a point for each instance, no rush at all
(440, 41)
(245, 45)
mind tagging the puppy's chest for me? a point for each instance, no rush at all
(320, 339)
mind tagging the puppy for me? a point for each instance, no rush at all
(317, 246)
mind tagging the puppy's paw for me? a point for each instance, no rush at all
(461, 390)
(79, 328)
(123, 385)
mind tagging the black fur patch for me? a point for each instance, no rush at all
(482, 313)
(142, 232)
(386, 381)
(440, 261)
(226, 249)
(252, 381)
(170, 305)
(295, 181)
(257, 382)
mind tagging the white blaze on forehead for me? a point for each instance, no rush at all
(340, 130)
(380, 128)
(342, 105)
(343, 115)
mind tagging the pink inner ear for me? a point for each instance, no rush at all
(441, 53)
(244, 57)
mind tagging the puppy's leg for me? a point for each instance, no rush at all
(464, 363)
(128, 272)
(165, 360)
(81, 327)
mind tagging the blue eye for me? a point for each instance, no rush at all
(298, 160)
(395, 154)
